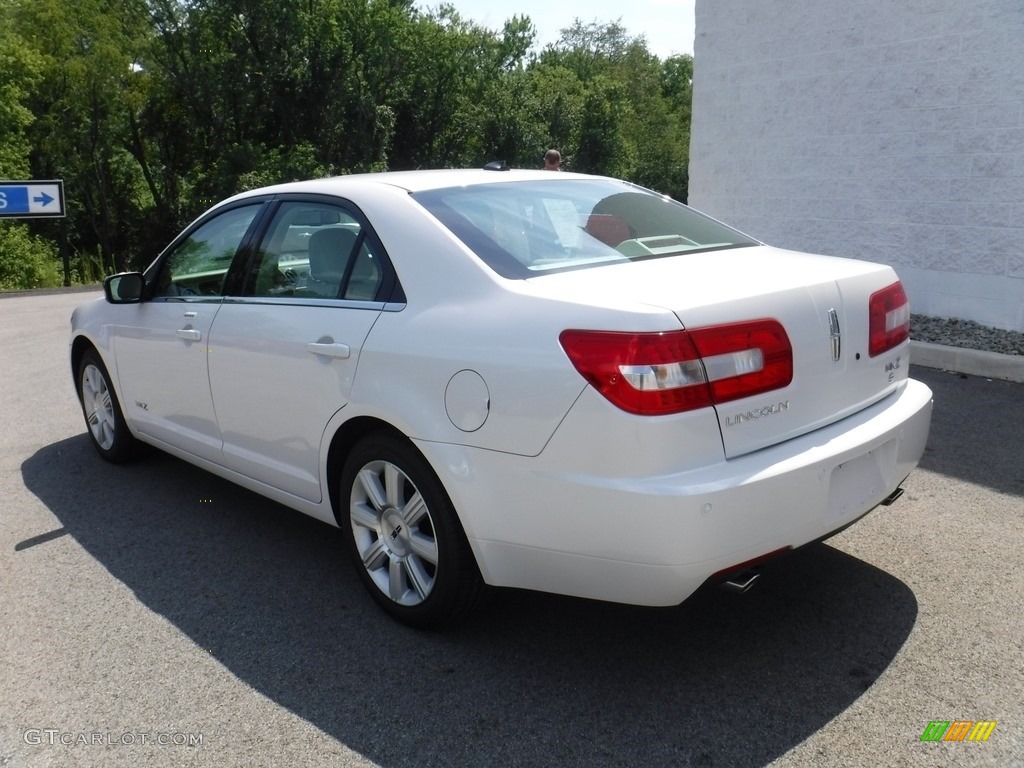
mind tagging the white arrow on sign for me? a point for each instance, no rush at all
(43, 198)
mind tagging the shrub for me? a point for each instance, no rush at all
(26, 261)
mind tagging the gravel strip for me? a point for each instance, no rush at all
(952, 332)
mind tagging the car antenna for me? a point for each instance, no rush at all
(497, 165)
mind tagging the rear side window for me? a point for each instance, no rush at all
(522, 229)
(316, 251)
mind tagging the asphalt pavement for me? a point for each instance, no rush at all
(155, 615)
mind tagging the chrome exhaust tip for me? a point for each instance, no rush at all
(740, 582)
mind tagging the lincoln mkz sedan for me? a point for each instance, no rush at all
(493, 378)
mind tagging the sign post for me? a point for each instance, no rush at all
(31, 199)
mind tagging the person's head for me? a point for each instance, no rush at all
(552, 160)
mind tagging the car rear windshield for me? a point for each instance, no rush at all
(527, 228)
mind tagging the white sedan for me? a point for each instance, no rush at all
(499, 378)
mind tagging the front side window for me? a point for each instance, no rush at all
(197, 266)
(523, 229)
(316, 251)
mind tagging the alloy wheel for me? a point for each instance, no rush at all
(99, 408)
(393, 532)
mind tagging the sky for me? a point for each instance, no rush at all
(667, 24)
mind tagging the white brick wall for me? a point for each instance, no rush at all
(879, 129)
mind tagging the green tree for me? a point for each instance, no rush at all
(20, 68)
(152, 110)
(557, 106)
(622, 111)
(86, 51)
(25, 261)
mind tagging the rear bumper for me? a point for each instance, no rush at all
(539, 523)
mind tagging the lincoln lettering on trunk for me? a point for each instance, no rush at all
(768, 410)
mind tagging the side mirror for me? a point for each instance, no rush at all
(124, 288)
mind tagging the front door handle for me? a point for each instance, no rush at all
(333, 349)
(189, 334)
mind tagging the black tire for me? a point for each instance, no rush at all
(404, 535)
(104, 420)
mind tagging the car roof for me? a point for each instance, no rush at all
(414, 181)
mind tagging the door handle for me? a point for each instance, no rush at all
(341, 351)
(189, 334)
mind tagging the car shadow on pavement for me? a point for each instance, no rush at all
(533, 679)
(976, 429)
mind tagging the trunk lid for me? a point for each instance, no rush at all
(822, 302)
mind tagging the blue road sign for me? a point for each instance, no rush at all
(24, 199)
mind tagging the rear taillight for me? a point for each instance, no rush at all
(729, 353)
(675, 371)
(889, 319)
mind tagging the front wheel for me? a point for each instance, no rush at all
(404, 535)
(103, 417)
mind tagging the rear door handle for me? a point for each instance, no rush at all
(342, 351)
(189, 334)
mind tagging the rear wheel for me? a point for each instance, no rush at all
(103, 417)
(404, 535)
